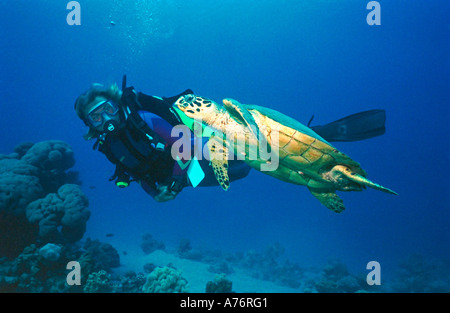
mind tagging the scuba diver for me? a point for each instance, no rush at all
(133, 130)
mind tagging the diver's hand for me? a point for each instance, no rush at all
(165, 194)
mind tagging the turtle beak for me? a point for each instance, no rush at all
(186, 120)
(180, 106)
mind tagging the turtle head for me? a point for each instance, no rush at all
(192, 107)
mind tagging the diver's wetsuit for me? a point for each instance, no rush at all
(162, 169)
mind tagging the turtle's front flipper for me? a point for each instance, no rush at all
(240, 114)
(218, 155)
(329, 199)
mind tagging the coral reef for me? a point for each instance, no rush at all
(149, 244)
(33, 271)
(43, 217)
(38, 198)
(419, 274)
(149, 267)
(131, 282)
(165, 280)
(43, 269)
(53, 158)
(66, 209)
(335, 278)
(50, 252)
(106, 255)
(266, 265)
(20, 184)
(219, 285)
(221, 267)
(43, 214)
(184, 250)
(98, 282)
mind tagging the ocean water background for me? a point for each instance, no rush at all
(298, 57)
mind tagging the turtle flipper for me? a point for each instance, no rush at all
(357, 178)
(218, 154)
(329, 199)
(241, 115)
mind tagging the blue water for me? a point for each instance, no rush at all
(298, 57)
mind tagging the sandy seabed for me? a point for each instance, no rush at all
(196, 273)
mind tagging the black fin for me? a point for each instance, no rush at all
(354, 127)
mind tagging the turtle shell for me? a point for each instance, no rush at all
(300, 148)
(286, 121)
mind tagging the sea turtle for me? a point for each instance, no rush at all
(303, 157)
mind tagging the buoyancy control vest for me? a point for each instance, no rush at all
(136, 149)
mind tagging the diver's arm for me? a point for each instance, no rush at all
(157, 106)
(161, 106)
(161, 191)
(149, 188)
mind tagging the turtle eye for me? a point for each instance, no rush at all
(182, 103)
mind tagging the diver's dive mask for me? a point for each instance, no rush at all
(104, 113)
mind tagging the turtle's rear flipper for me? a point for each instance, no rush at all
(357, 178)
(329, 199)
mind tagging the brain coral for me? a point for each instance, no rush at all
(165, 280)
(50, 252)
(37, 199)
(50, 154)
(19, 185)
(67, 208)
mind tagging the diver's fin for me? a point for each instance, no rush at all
(218, 154)
(357, 178)
(355, 127)
(329, 199)
(241, 115)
